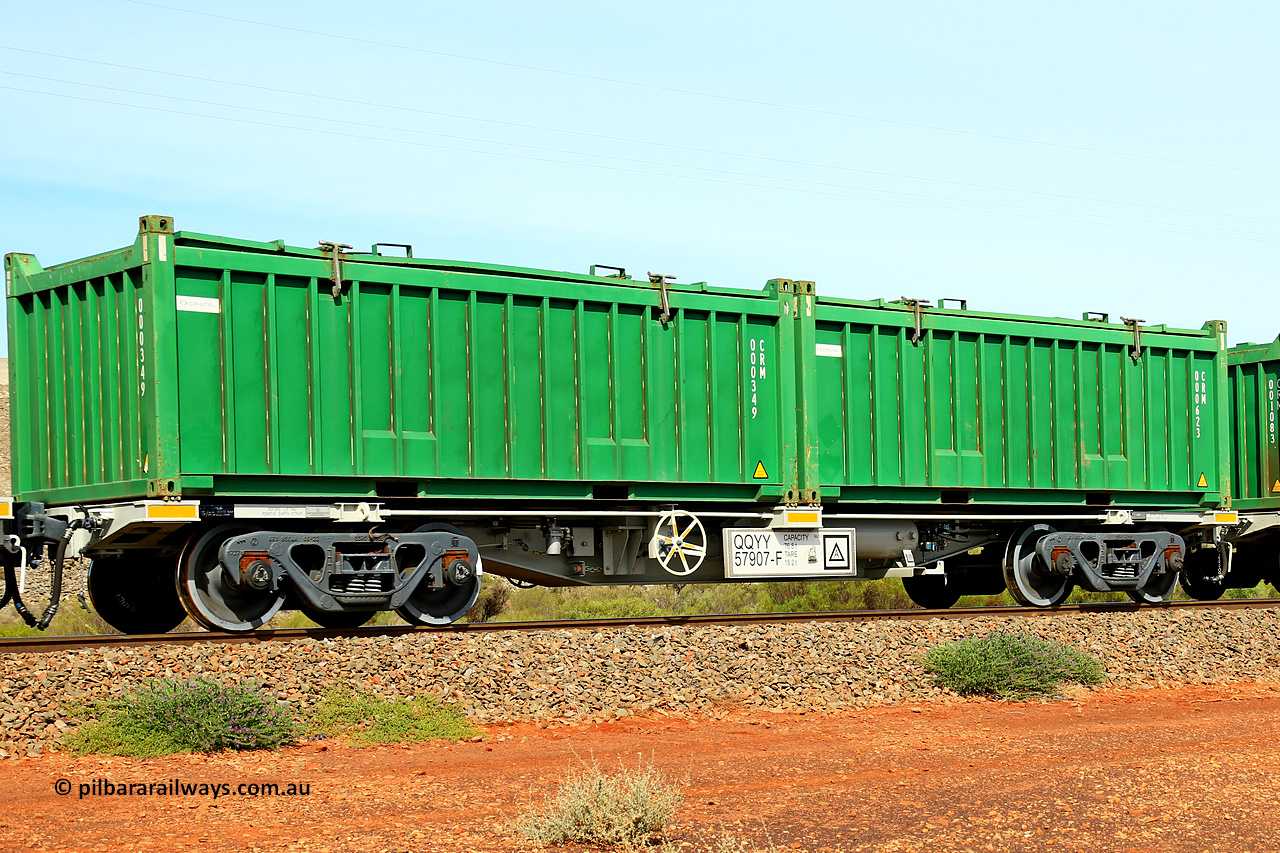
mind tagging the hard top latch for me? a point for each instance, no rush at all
(1136, 325)
(661, 280)
(917, 307)
(335, 261)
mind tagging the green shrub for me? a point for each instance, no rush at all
(543, 603)
(1011, 665)
(609, 607)
(372, 719)
(495, 596)
(624, 809)
(825, 596)
(1262, 590)
(199, 715)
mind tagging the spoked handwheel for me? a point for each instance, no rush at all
(209, 596)
(679, 542)
(933, 592)
(1029, 580)
(1202, 565)
(135, 594)
(444, 605)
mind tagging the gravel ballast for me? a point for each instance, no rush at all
(584, 675)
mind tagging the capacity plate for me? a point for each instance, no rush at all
(764, 553)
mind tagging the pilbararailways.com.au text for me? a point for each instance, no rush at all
(179, 788)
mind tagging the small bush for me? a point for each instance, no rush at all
(610, 607)
(199, 715)
(494, 597)
(372, 719)
(1011, 665)
(624, 809)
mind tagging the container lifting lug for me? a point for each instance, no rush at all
(335, 250)
(661, 281)
(917, 307)
(1136, 326)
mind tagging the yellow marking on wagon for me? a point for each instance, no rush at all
(173, 512)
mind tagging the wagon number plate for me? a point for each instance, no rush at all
(757, 553)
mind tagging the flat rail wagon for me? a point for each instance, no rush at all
(229, 428)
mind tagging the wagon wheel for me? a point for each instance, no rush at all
(210, 598)
(1158, 587)
(679, 542)
(1201, 565)
(1026, 576)
(135, 593)
(443, 605)
(933, 592)
(1252, 562)
(1271, 561)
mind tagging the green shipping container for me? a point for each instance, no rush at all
(1255, 398)
(956, 406)
(194, 365)
(198, 365)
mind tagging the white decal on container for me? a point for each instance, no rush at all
(758, 372)
(830, 350)
(198, 304)
(1199, 396)
(1271, 414)
(142, 346)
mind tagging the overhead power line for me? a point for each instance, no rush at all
(612, 138)
(702, 94)
(631, 160)
(1174, 229)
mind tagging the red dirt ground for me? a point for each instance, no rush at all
(1191, 769)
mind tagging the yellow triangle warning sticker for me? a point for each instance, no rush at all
(1202, 483)
(1276, 487)
(760, 473)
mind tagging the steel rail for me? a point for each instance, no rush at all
(25, 645)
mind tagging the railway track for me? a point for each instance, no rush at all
(22, 645)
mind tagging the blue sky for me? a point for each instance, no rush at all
(1031, 157)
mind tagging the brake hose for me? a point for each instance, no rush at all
(10, 585)
(55, 589)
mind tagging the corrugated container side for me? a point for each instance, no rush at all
(989, 408)
(1255, 399)
(464, 376)
(79, 416)
(206, 366)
